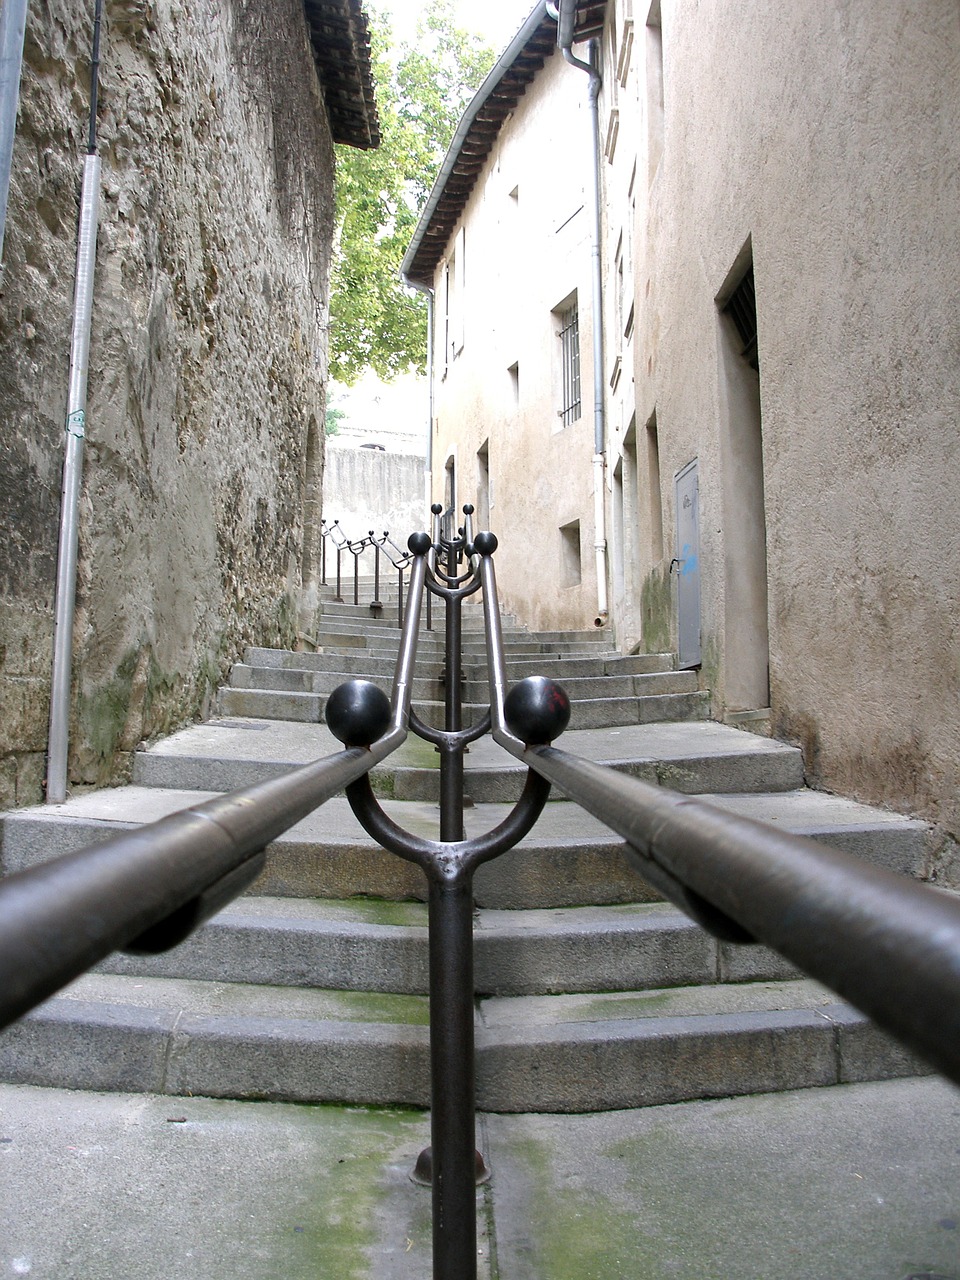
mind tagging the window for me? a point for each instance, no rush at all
(569, 330)
(654, 61)
(570, 568)
(453, 302)
(484, 488)
(741, 307)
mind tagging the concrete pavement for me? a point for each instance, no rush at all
(856, 1182)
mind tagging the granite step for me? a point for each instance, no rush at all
(223, 754)
(586, 713)
(369, 945)
(566, 1053)
(302, 679)
(568, 859)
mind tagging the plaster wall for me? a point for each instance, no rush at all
(204, 450)
(823, 141)
(368, 489)
(526, 251)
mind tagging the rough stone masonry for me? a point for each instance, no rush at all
(204, 453)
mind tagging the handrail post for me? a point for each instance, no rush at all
(376, 603)
(451, 756)
(453, 1086)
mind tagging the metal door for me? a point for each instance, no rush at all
(686, 488)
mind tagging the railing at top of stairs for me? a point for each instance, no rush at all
(887, 944)
(385, 553)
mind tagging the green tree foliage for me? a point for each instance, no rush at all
(334, 417)
(422, 90)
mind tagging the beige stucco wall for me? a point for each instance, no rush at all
(826, 137)
(372, 489)
(524, 255)
(201, 490)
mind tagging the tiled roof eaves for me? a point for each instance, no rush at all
(341, 48)
(478, 131)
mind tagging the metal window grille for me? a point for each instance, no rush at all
(570, 362)
(742, 310)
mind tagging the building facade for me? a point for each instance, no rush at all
(781, 364)
(200, 507)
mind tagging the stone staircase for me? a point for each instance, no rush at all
(592, 994)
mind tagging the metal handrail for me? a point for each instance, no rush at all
(382, 545)
(886, 943)
(146, 890)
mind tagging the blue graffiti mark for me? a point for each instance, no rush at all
(688, 563)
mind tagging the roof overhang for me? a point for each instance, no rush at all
(341, 48)
(479, 129)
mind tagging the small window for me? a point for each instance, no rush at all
(742, 310)
(569, 330)
(514, 375)
(453, 323)
(570, 567)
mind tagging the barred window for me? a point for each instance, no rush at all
(741, 307)
(570, 363)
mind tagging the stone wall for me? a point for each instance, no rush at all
(204, 451)
(818, 143)
(368, 489)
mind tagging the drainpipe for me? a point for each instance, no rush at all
(566, 16)
(73, 451)
(428, 473)
(13, 20)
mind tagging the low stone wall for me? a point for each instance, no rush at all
(204, 451)
(372, 489)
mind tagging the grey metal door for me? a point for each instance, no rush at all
(686, 486)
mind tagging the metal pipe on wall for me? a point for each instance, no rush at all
(428, 469)
(566, 14)
(59, 731)
(13, 21)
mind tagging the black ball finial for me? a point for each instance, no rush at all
(485, 544)
(469, 509)
(358, 713)
(537, 710)
(419, 543)
(437, 509)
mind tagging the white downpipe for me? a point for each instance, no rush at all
(70, 493)
(599, 524)
(428, 471)
(566, 21)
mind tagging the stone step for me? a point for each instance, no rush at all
(364, 663)
(221, 755)
(430, 646)
(293, 679)
(363, 614)
(568, 859)
(585, 713)
(542, 1054)
(376, 946)
(577, 1053)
